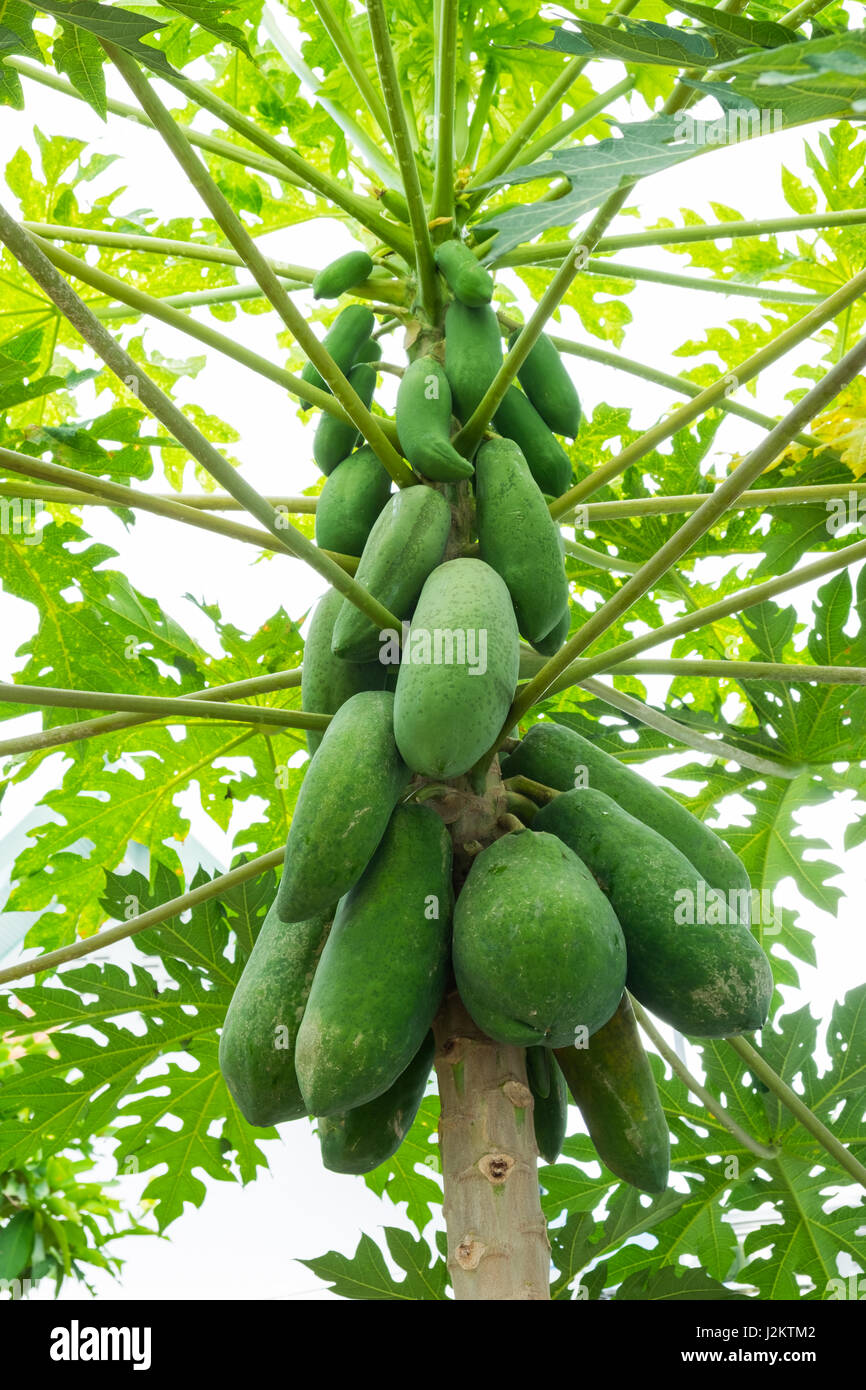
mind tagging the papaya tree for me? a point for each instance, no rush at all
(451, 848)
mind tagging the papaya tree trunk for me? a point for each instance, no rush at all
(497, 1236)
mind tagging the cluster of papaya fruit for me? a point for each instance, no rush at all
(553, 921)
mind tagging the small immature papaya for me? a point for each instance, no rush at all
(424, 422)
(326, 681)
(343, 274)
(469, 281)
(550, 1097)
(561, 758)
(557, 637)
(548, 462)
(344, 340)
(519, 538)
(548, 385)
(334, 440)
(458, 671)
(473, 354)
(380, 980)
(371, 351)
(353, 496)
(407, 540)
(690, 960)
(357, 1141)
(538, 952)
(612, 1084)
(257, 1043)
(343, 808)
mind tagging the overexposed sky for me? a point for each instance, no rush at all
(243, 1242)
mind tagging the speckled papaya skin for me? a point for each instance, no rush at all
(473, 354)
(357, 1141)
(382, 974)
(611, 1082)
(707, 978)
(343, 808)
(257, 1043)
(556, 755)
(538, 952)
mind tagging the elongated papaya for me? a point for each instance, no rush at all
(548, 462)
(550, 1097)
(424, 422)
(557, 637)
(458, 672)
(538, 952)
(690, 960)
(357, 1141)
(371, 351)
(344, 340)
(334, 440)
(395, 203)
(326, 681)
(519, 538)
(353, 496)
(561, 758)
(473, 354)
(343, 807)
(342, 275)
(470, 282)
(407, 540)
(548, 385)
(612, 1084)
(382, 974)
(257, 1043)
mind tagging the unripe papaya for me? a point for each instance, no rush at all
(550, 1102)
(424, 422)
(407, 540)
(353, 496)
(469, 281)
(473, 354)
(611, 1082)
(557, 637)
(381, 977)
(458, 672)
(395, 203)
(257, 1043)
(344, 340)
(342, 275)
(560, 758)
(519, 538)
(334, 440)
(538, 952)
(371, 351)
(548, 385)
(343, 808)
(548, 462)
(690, 960)
(357, 1141)
(326, 681)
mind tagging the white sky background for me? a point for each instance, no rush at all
(241, 1244)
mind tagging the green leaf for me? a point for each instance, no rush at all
(637, 41)
(16, 1244)
(365, 1274)
(670, 1283)
(119, 26)
(763, 33)
(401, 1177)
(208, 15)
(80, 56)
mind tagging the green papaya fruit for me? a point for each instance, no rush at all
(550, 1107)
(334, 440)
(407, 540)
(371, 351)
(548, 462)
(343, 808)
(343, 274)
(690, 960)
(326, 681)
(473, 354)
(519, 538)
(424, 422)
(257, 1043)
(468, 279)
(344, 340)
(458, 672)
(353, 496)
(546, 381)
(357, 1141)
(538, 1071)
(395, 203)
(557, 637)
(538, 952)
(561, 758)
(612, 1084)
(382, 974)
